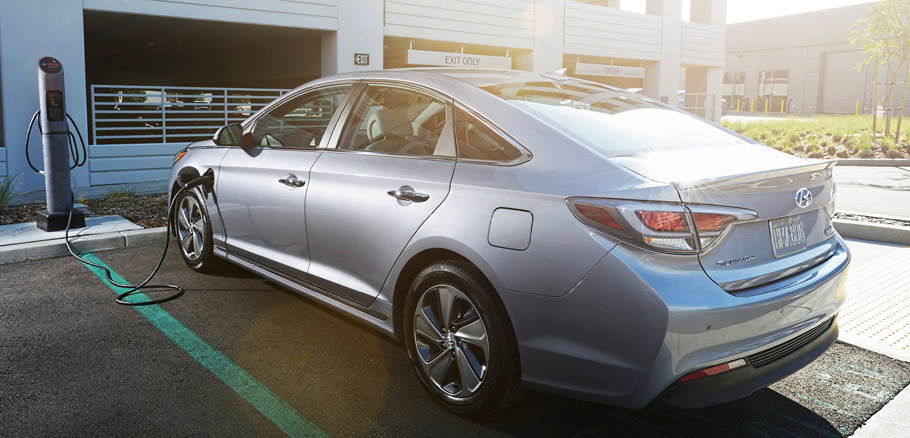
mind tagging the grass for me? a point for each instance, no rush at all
(8, 187)
(827, 136)
(119, 194)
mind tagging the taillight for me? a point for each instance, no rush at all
(665, 221)
(597, 214)
(708, 222)
(664, 226)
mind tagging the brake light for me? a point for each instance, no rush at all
(708, 222)
(665, 221)
(722, 368)
(597, 214)
(669, 227)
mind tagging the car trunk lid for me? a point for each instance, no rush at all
(789, 234)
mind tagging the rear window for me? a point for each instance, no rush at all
(613, 122)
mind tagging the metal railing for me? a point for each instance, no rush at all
(124, 114)
(700, 104)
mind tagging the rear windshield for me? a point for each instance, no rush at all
(613, 122)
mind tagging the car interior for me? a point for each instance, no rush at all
(394, 121)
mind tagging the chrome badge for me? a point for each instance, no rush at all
(736, 261)
(803, 197)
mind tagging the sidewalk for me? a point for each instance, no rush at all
(876, 317)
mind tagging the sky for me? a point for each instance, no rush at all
(748, 10)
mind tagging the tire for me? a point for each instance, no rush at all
(193, 228)
(478, 340)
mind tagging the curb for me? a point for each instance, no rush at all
(93, 242)
(881, 162)
(874, 232)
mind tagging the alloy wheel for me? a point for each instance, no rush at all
(451, 340)
(191, 227)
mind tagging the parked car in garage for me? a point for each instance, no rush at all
(529, 231)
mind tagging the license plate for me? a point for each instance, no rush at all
(788, 236)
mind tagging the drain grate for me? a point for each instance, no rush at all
(878, 301)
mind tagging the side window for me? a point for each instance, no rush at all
(477, 141)
(300, 122)
(394, 120)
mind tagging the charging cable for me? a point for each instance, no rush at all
(78, 159)
(135, 288)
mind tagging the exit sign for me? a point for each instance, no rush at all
(361, 59)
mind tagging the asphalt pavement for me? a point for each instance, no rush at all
(874, 190)
(74, 363)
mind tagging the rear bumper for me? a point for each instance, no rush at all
(743, 381)
(640, 321)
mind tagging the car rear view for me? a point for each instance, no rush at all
(726, 290)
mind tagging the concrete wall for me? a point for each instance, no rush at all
(309, 14)
(507, 23)
(798, 43)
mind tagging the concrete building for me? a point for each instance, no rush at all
(800, 63)
(146, 77)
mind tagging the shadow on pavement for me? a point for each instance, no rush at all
(765, 413)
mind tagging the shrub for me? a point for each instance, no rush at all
(797, 148)
(843, 153)
(831, 150)
(837, 138)
(119, 194)
(8, 186)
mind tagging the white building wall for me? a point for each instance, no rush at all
(506, 23)
(359, 31)
(609, 32)
(310, 14)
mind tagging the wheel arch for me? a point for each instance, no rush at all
(417, 263)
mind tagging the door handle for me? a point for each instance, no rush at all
(292, 181)
(408, 194)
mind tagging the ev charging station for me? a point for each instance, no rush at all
(55, 141)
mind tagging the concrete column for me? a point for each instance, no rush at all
(662, 77)
(708, 12)
(29, 31)
(359, 31)
(549, 28)
(709, 81)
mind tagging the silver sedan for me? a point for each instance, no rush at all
(528, 231)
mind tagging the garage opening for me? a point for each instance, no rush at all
(164, 80)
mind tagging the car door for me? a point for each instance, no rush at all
(390, 168)
(263, 185)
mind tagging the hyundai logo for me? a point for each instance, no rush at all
(803, 197)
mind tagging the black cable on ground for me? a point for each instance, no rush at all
(134, 288)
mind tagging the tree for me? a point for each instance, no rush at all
(885, 37)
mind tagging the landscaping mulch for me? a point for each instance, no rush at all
(872, 219)
(147, 211)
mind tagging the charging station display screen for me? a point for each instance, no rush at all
(54, 105)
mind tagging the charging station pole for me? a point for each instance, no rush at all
(55, 141)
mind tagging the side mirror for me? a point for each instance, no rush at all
(229, 135)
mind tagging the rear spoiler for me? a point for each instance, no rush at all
(814, 166)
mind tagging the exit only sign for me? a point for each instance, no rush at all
(361, 59)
